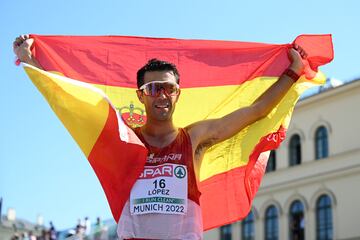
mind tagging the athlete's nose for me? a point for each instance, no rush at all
(162, 93)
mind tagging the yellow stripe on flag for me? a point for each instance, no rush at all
(82, 111)
(214, 102)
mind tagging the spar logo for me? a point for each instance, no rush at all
(180, 172)
(157, 171)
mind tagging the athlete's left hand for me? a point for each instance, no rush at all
(297, 54)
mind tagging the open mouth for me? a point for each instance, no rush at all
(162, 105)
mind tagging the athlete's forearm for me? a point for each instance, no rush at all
(270, 98)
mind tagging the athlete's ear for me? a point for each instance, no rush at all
(140, 96)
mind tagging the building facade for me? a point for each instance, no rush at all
(311, 188)
(14, 228)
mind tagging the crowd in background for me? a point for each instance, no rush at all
(46, 234)
(83, 230)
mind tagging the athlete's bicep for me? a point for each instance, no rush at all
(207, 133)
(203, 135)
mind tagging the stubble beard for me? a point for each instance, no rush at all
(162, 115)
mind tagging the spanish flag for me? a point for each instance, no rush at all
(90, 83)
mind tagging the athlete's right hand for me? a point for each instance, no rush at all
(22, 48)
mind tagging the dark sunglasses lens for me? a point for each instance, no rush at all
(154, 89)
(170, 89)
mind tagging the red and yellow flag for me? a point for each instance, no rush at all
(216, 78)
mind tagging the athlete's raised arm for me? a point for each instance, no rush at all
(206, 133)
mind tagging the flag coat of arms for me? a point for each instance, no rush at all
(90, 83)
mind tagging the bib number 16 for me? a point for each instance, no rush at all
(159, 183)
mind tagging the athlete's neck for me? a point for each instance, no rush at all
(159, 134)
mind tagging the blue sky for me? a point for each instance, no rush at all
(42, 171)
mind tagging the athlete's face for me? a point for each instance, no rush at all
(160, 95)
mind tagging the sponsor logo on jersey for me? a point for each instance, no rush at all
(168, 157)
(157, 171)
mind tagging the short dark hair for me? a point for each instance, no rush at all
(154, 65)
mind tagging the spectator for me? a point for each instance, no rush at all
(98, 229)
(52, 231)
(24, 236)
(87, 226)
(43, 235)
(15, 236)
(32, 236)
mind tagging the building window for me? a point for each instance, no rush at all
(225, 232)
(296, 221)
(324, 226)
(271, 164)
(321, 143)
(248, 227)
(271, 223)
(295, 150)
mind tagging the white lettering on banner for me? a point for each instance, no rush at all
(160, 189)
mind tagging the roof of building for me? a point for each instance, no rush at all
(330, 84)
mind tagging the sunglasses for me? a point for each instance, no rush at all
(154, 88)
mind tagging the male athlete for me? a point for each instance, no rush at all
(168, 207)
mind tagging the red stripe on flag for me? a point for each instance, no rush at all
(117, 164)
(115, 60)
(232, 192)
(224, 198)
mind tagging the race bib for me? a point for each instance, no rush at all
(160, 189)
